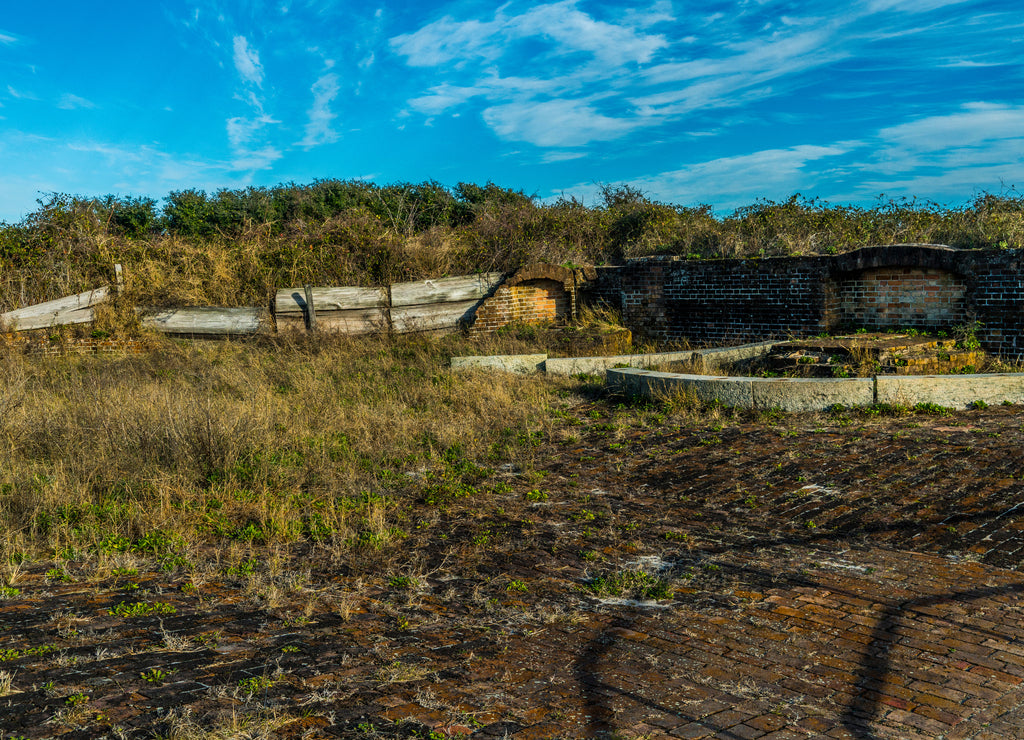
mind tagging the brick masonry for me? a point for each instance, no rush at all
(39, 345)
(535, 293)
(921, 286)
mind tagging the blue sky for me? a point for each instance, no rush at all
(693, 102)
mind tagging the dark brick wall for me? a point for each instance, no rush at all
(924, 286)
(724, 300)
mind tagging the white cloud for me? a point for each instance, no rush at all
(556, 156)
(974, 124)
(71, 102)
(20, 94)
(243, 138)
(561, 24)
(556, 123)
(6, 38)
(731, 181)
(910, 6)
(318, 129)
(247, 61)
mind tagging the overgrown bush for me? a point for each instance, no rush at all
(232, 247)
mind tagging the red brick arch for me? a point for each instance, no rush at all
(535, 293)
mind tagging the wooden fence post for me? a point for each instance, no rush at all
(310, 309)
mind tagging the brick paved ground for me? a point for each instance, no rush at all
(846, 578)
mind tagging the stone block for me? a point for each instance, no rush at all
(729, 391)
(955, 391)
(811, 394)
(503, 363)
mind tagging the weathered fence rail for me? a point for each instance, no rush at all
(429, 305)
(207, 321)
(75, 309)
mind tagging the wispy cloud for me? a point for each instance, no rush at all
(561, 24)
(71, 102)
(652, 66)
(7, 38)
(247, 147)
(247, 61)
(20, 94)
(556, 123)
(739, 179)
(318, 129)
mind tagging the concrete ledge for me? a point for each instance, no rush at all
(702, 358)
(718, 356)
(787, 394)
(504, 363)
(596, 365)
(704, 388)
(811, 394)
(955, 391)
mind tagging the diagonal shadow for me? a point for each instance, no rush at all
(874, 665)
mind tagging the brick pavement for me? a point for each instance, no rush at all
(876, 622)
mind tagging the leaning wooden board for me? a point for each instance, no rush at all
(445, 290)
(205, 321)
(75, 309)
(344, 310)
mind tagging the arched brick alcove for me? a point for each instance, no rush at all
(535, 293)
(905, 285)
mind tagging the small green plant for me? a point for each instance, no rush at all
(290, 649)
(155, 675)
(8, 592)
(536, 495)
(401, 582)
(978, 404)
(966, 335)
(517, 586)
(242, 569)
(255, 684)
(141, 609)
(483, 538)
(59, 575)
(630, 583)
(76, 700)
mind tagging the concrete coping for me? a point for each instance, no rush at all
(818, 394)
(702, 358)
(502, 363)
(630, 374)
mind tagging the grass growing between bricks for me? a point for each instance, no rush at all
(348, 540)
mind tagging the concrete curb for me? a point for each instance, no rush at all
(955, 391)
(502, 363)
(786, 394)
(703, 358)
(629, 375)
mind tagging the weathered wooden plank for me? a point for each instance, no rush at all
(293, 300)
(430, 317)
(197, 320)
(363, 321)
(75, 309)
(444, 290)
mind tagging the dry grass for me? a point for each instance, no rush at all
(235, 445)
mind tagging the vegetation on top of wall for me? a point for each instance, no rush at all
(232, 247)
